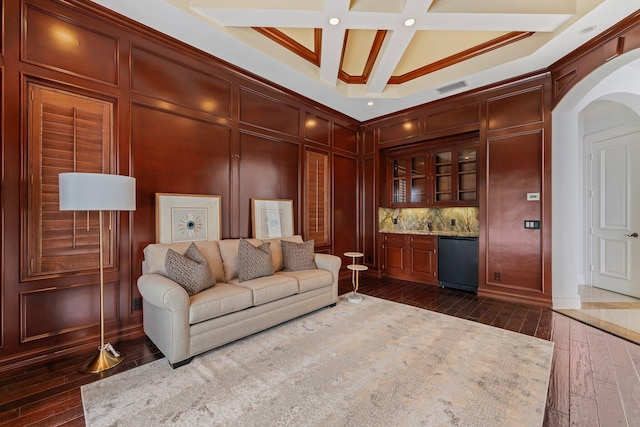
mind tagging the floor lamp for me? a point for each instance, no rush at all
(98, 192)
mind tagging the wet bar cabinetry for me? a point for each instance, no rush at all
(411, 257)
(433, 175)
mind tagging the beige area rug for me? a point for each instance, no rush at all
(377, 363)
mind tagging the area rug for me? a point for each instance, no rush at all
(377, 363)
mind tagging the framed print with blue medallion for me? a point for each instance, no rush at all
(187, 217)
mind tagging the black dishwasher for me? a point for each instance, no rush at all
(458, 262)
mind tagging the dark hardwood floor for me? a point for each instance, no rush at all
(594, 377)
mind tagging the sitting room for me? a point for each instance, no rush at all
(343, 212)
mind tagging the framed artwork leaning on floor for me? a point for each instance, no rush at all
(272, 218)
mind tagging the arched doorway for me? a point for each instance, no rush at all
(614, 83)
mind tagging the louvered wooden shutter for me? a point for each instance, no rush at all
(68, 133)
(317, 184)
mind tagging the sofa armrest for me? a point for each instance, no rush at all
(166, 315)
(163, 292)
(331, 263)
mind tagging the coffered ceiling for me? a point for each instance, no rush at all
(367, 58)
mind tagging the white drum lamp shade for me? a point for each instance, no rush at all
(96, 192)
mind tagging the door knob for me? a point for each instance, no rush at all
(632, 235)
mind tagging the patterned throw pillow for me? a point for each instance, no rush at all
(253, 261)
(191, 270)
(298, 256)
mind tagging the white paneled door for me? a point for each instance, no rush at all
(615, 214)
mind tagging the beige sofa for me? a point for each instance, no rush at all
(183, 326)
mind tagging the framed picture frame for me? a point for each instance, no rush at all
(187, 217)
(272, 218)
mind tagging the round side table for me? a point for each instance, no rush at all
(355, 273)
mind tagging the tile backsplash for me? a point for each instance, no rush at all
(462, 220)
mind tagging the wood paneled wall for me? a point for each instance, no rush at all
(513, 122)
(184, 122)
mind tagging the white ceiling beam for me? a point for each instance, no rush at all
(332, 40)
(492, 22)
(388, 21)
(392, 52)
(263, 17)
(394, 47)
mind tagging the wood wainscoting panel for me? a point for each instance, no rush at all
(269, 169)
(268, 113)
(399, 131)
(465, 117)
(55, 311)
(345, 139)
(174, 153)
(514, 254)
(57, 42)
(368, 142)
(316, 129)
(345, 206)
(369, 213)
(155, 76)
(516, 109)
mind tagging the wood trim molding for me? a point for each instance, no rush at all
(480, 49)
(371, 59)
(288, 43)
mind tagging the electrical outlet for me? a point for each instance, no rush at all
(137, 304)
(497, 276)
(453, 222)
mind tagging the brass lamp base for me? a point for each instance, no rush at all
(101, 362)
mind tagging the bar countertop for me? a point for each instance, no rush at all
(453, 233)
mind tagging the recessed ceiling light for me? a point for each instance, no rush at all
(587, 30)
(370, 103)
(409, 22)
(334, 21)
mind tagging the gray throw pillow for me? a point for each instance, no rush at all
(191, 270)
(298, 256)
(253, 261)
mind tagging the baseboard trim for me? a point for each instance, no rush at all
(567, 302)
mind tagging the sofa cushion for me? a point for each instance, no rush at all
(229, 256)
(276, 250)
(298, 256)
(156, 253)
(217, 301)
(253, 262)
(310, 279)
(191, 270)
(270, 288)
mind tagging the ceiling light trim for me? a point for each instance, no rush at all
(409, 22)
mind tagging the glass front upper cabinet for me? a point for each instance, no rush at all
(455, 176)
(409, 184)
(435, 176)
